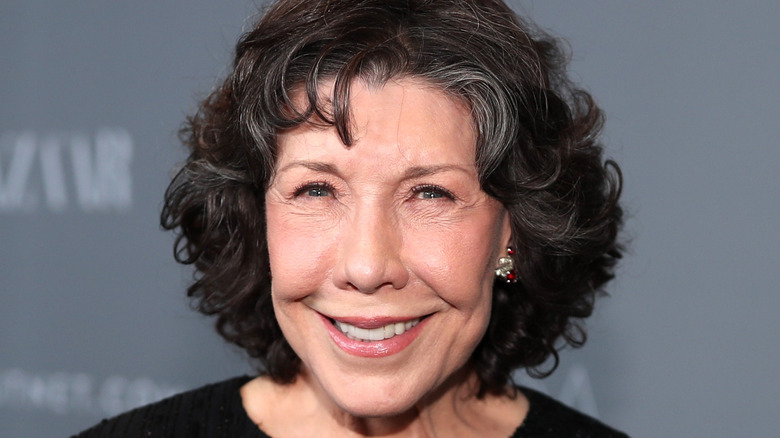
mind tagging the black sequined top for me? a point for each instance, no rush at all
(216, 411)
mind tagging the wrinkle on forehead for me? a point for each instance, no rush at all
(405, 123)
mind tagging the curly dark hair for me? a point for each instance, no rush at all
(537, 153)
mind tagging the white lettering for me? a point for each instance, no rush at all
(141, 392)
(114, 153)
(13, 387)
(111, 395)
(57, 393)
(63, 393)
(53, 174)
(13, 186)
(104, 182)
(99, 171)
(81, 388)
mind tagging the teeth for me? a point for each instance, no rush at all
(359, 333)
(377, 334)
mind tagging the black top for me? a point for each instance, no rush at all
(216, 411)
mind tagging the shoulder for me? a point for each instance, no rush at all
(213, 410)
(548, 417)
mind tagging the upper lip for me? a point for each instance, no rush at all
(372, 322)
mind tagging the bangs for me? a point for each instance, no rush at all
(316, 85)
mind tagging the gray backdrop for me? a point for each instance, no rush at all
(93, 318)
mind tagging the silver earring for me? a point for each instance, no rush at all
(506, 267)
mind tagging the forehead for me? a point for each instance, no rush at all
(406, 120)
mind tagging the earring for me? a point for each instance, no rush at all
(506, 267)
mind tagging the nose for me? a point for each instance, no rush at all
(369, 252)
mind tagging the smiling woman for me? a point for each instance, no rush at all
(392, 206)
(377, 255)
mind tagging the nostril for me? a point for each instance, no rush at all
(369, 256)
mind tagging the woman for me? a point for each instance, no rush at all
(392, 206)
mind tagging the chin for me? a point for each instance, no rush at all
(371, 401)
(377, 408)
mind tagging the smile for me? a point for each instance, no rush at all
(374, 337)
(376, 334)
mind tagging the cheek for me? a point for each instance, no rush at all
(460, 269)
(298, 255)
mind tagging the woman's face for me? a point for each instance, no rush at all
(383, 253)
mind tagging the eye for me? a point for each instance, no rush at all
(314, 190)
(432, 192)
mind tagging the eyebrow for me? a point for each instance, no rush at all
(316, 166)
(421, 171)
(411, 173)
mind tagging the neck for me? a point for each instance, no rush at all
(452, 406)
(303, 408)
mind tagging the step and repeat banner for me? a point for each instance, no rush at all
(93, 314)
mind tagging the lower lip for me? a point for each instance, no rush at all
(382, 348)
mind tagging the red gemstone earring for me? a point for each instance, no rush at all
(506, 267)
